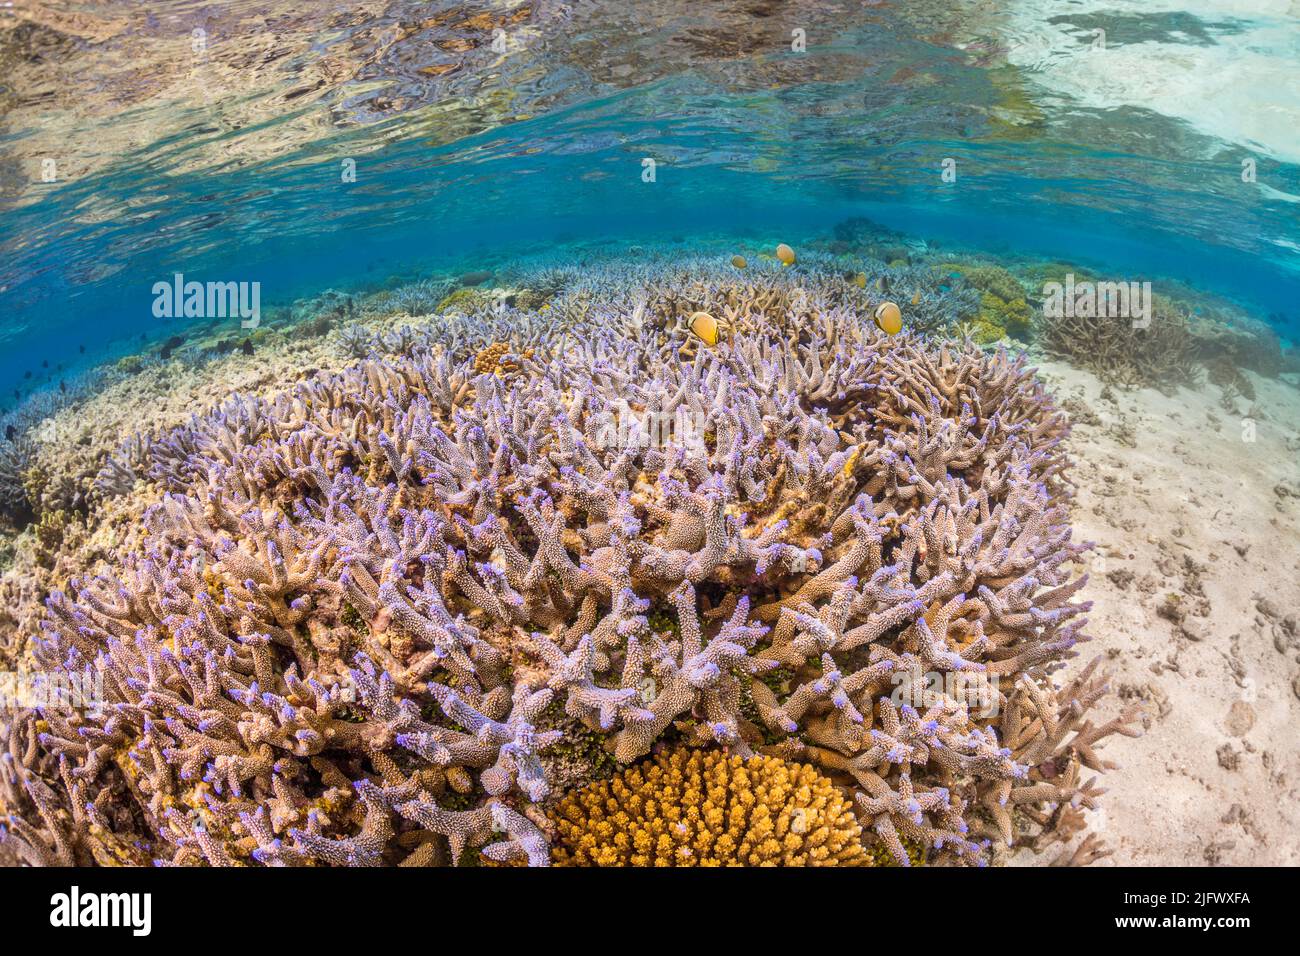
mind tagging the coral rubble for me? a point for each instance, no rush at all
(360, 620)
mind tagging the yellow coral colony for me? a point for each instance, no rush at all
(488, 359)
(706, 808)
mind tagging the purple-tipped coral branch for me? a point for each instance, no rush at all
(371, 617)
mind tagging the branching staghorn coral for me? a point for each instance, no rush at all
(34, 483)
(1161, 354)
(361, 613)
(17, 457)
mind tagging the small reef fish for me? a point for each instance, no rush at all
(247, 347)
(888, 318)
(785, 254)
(705, 327)
(917, 297)
(860, 280)
(739, 262)
(11, 432)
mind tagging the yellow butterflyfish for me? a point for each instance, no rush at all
(705, 327)
(888, 318)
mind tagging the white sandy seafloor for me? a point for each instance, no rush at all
(1181, 502)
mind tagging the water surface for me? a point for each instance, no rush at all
(216, 140)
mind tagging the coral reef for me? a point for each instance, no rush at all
(418, 298)
(30, 487)
(17, 455)
(1003, 310)
(1236, 339)
(1163, 354)
(860, 234)
(353, 622)
(704, 808)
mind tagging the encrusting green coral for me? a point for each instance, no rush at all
(1003, 310)
(50, 531)
(461, 300)
(706, 808)
(880, 854)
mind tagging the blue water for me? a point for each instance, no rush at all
(758, 142)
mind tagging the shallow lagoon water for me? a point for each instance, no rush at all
(221, 160)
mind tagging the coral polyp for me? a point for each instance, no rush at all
(707, 808)
(397, 612)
